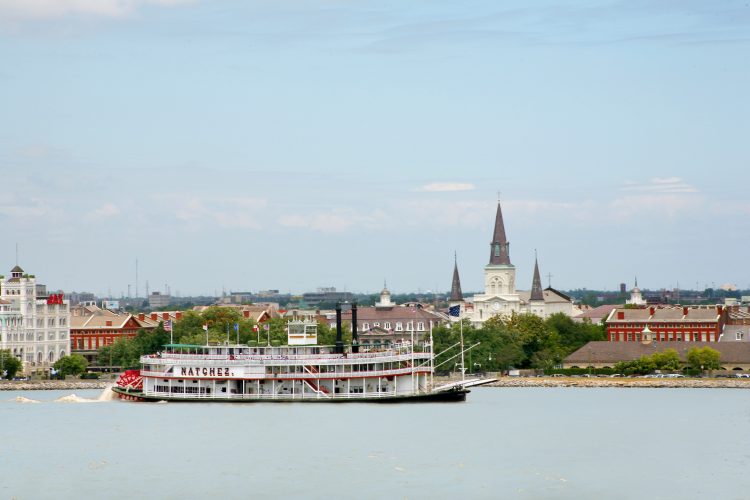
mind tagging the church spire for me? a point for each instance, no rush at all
(499, 248)
(456, 294)
(536, 285)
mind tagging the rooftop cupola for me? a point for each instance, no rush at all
(16, 272)
(499, 248)
(385, 298)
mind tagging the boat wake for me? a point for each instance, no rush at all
(21, 399)
(106, 395)
(75, 399)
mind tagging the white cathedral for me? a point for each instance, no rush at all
(500, 297)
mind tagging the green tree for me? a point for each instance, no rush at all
(574, 335)
(75, 364)
(703, 358)
(9, 365)
(667, 360)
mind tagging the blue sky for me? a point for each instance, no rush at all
(296, 144)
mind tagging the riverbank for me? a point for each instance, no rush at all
(52, 385)
(692, 383)
(686, 383)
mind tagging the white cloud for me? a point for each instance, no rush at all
(445, 187)
(201, 211)
(654, 205)
(18, 209)
(333, 221)
(106, 210)
(672, 185)
(50, 9)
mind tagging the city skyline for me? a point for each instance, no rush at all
(252, 145)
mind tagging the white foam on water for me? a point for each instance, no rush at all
(75, 399)
(107, 394)
(21, 399)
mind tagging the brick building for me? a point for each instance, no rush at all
(667, 323)
(92, 327)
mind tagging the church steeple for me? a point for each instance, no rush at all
(536, 285)
(499, 248)
(456, 294)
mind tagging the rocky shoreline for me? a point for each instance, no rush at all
(52, 385)
(654, 383)
(508, 382)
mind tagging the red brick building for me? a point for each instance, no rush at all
(92, 327)
(667, 323)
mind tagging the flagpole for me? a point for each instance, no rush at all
(463, 366)
(432, 360)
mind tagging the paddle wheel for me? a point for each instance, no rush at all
(129, 381)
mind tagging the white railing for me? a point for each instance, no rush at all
(295, 397)
(297, 375)
(275, 360)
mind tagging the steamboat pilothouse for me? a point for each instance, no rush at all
(301, 371)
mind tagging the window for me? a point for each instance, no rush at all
(420, 326)
(630, 336)
(365, 326)
(497, 250)
(399, 326)
(738, 336)
(387, 325)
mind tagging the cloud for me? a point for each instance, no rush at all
(654, 205)
(31, 208)
(333, 221)
(200, 211)
(106, 210)
(445, 187)
(667, 185)
(51, 9)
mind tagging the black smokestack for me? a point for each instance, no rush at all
(339, 336)
(355, 338)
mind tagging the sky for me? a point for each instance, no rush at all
(255, 144)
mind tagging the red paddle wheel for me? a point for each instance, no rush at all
(131, 379)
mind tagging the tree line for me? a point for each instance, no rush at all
(519, 341)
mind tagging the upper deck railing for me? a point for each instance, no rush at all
(271, 359)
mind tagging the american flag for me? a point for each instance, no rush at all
(266, 327)
(168, 326)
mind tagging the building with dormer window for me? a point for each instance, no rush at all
(34, 325)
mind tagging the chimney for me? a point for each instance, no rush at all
(141, 316)
(339, 336)
(620, 314)
(154, 316)
(355, 338)
(685, 311)
(178, 315)
(109, 323)
(165, 316)
(651, 310)
(246, 314)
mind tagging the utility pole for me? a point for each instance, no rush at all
(136, 279)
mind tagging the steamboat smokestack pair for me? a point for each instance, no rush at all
(339, 334)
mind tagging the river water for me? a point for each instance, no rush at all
(523, 443)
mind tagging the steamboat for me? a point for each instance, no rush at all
(301, 371)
